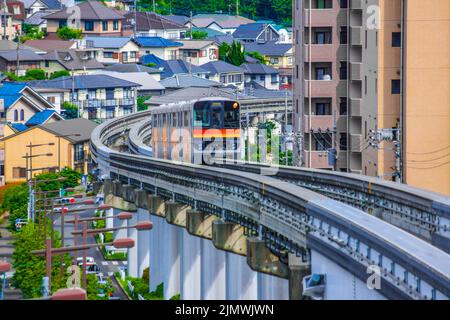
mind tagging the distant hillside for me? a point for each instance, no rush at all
(277, 10)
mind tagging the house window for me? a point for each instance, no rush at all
(343, 35)
(107, 55)
(110, 113)
(395, 86)
(172, 35)
(133, 55)
(89, 25)
(223, 79)
(62, 23)
(115, 25)
(19, 172)
(22, 115)
(262, 77)
(274, 60)
(79, 152)
(172, 54)
(396, 39)
(105, 25)
(16, 115)
(51, 99)
(274, 78)
(47, 63)
(343, 70)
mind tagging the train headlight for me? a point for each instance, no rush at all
(235, 105)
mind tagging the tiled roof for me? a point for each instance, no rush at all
(269, 48)
(195, 44)
(81, 126)
(10, 92)
(106, 42)
(223, 20)
(131, 67)
(150, 21)
(49, 45)
(40, 117)
(89, 81)
(90, 10)
(180, 19)
(172, 67)
(36, 18)
(215, 67)
(146, 81)
(52, 4)
(18, 127)
(156, 42)
(24, 55)
(187, 80)
(259, 68)
(72, 59)
(249, 31)
(11, 45)
(150, 58)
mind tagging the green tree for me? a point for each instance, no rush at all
(72, 177)
(236, 55)
(37, 74)
(258, 56)
(141, 106)
(197, 34)
(67, 33)
(60, 73)
(15, 201)
(224, 48)
(70, 110)
(31, 33)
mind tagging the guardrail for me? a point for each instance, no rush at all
(290, 216)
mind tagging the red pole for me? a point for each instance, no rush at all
(84, 253)
(75, 242)
(62, 240)
(48, 260)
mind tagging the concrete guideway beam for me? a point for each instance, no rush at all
(120, 203)
(298, 269)
(117, 188)
(229, 236)
(200, 223)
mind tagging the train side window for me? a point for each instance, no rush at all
(186, 119)
(174, 119)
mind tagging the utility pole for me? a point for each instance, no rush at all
(190, 26)
(237, 8)
(5, 9)
(135, 18)
(154, 6)
(17, 57)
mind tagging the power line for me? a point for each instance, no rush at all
(424, 153)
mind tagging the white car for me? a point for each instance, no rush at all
(89, 260)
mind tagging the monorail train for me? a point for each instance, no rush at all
(201, 131)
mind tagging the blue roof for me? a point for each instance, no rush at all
(150, 58)
(18, 127)
(40, 117)
(249, 31)
(10, 92)
(156, 42)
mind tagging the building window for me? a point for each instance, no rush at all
(395, 86)
(19, 172)
(105, 25)
(89, 25)
(107, 55)
(274, 78)
(16, 115)
(274, 60)
(22, 115)
(47, 63)
(343, 70)
(115, 25)
(262, 77)
(79, 152)
(62, 23)
(110, 113)
(343, 106)
(396, 39)
(343, 35)
(344, 4)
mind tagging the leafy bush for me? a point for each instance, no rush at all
(197, 34)
(67, 33)
(60, 73)
(109, 236)
(234, 54)
(141, 106)
(70, 110)
(37, 74)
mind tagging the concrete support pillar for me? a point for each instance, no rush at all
(229, 236)
(297, 270)
(141, 198)
(133, 252)
(272, 288)
(143, 243)
(176, 213)
(128, 193)
(122, 233)
(242, 282)
(259, 258)
(117, 188)
(199, 223)
(107, 187)
(156, 205)
(157, 251)
(191, 267)
(96, 187)
(171, 261)
(109, 223)
(214, 272)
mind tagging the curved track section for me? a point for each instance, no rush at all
(287, 216)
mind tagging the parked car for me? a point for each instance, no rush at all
(89, 260)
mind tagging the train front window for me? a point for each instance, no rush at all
(201, 117)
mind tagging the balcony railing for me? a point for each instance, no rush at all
(104, 103)
(318, 122)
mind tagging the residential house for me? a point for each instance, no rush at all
(95, 19)
(54, 96)
(199, 52)
(261, 74)
(160, 47)
(17, 10)
(220, 22)
(225, 73)
(110, 50)
(285, 33)
(149, 86)
(170, 68)
(150, 24)
(78, 62)
(256, 32)
(277, 55)
(134, 67)
(44, 46)
(28, 59)
(33, 6)
(36, 20)
(8, 31)
(181, 81)
(66, 141)
(98, 97)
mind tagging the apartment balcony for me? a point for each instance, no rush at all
(341, 161)
(356, 71)
(318, 122)
(355, 107)
(319, 159)
(320, 88)
(320, 17)
(356, 4)
(356, 141)
(104, 103)
(320, 52)
(356, 36)
(341, 124)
